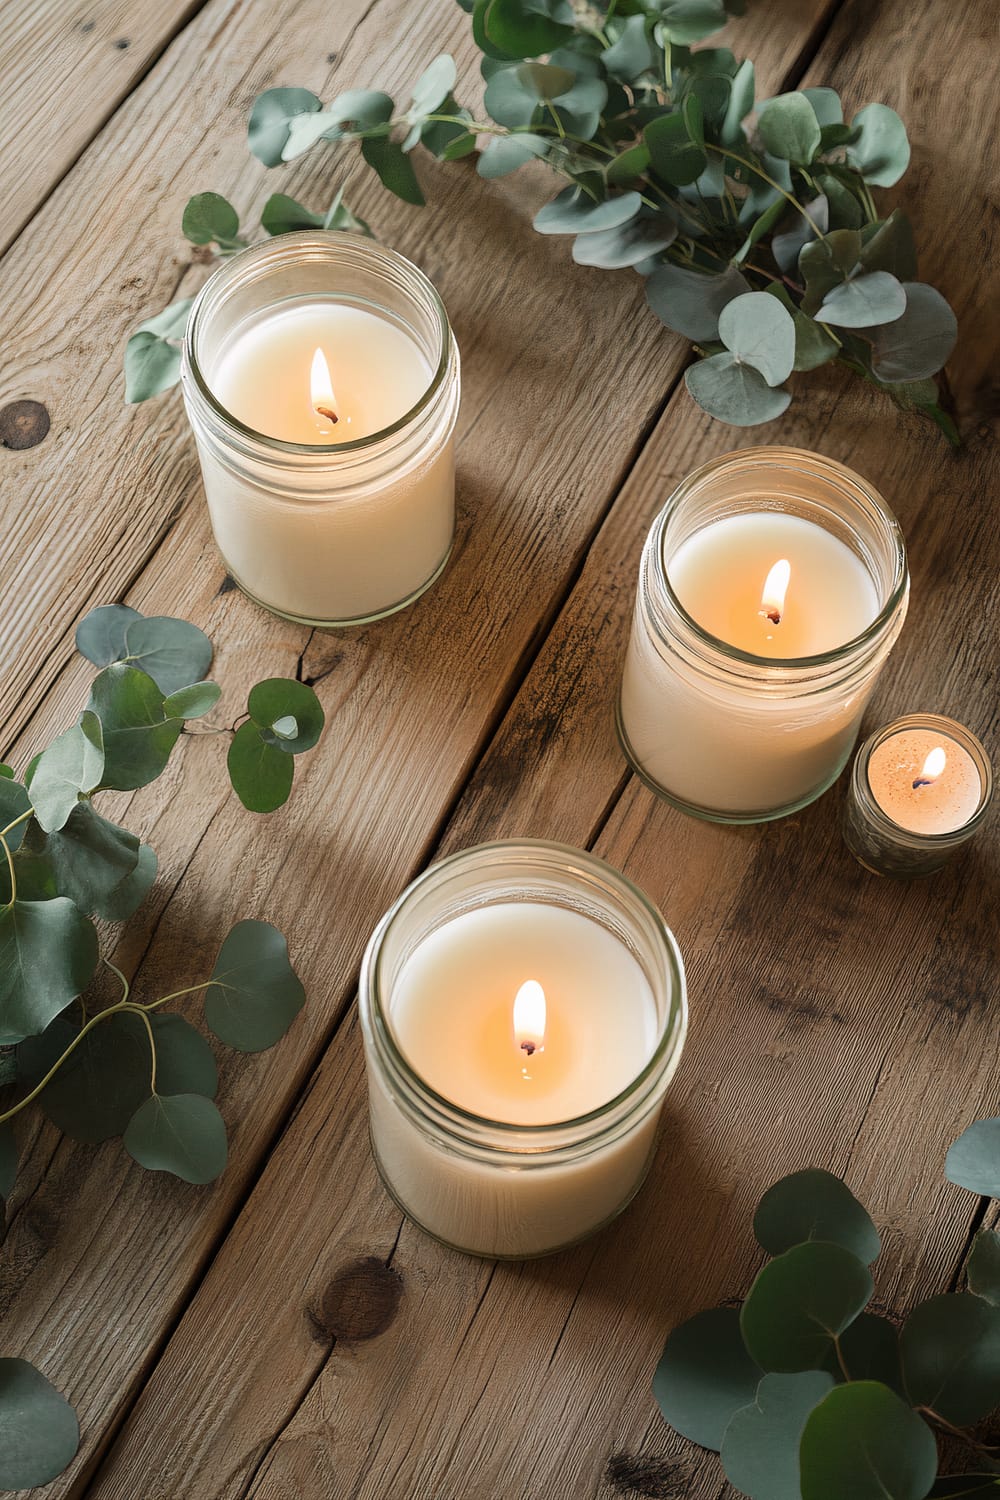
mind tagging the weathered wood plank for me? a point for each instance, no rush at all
(66, 65)
(534, 507)
(836, 1019)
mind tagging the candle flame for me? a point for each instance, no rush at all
(321, 388)
(529, 1017)
(772, 600)
(932, 768)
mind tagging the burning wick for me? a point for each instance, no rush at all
(529, 1017)
(321, 388)
(772, 600)
(932, 768)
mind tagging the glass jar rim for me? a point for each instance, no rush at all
(669, 1043)
(321, 240)
(950, 729)
(789, 665)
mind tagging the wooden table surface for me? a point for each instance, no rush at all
(283, 1333)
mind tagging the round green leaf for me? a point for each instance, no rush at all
(689, 302)
(760, 1447)
(280, 698)
(100, 636)
(394, 168)
(283, 215)
(505, 153)
(869, 1349)
(179, 1133)
(270, 119)
(741, 101)
(889, 247)
(449, 140)
(760, 332)
(917, 344)
(826, 105)
(193, 701)
(261, 775)
(632, 53)
(800, 1303)
(151, 366)
(168, 324)
(881, 151)
(128, 895)
(208, 218)
(39, 1433)
(951, 1357)
(862, 1441)
(705, 1376)
(973, 1162)
(433, 86)
(864, 302)
(48, 954)
(255, 993)
(814, 1205)
(984, 1266)
(787, 246)
(579, 108)
(174, 653)
(734, 392)
(88, 858)
(825, 263)
(527, 28)
(305, 130)
(8, 1161)
(676, 144)
(138, 738)
(686, 21)
(339, 216)
(575, 212)
(789, 128)
(67, 769)
(628, 166)
(14, 802)
(628, 245)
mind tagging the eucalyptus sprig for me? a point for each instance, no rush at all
(752, 221)
(805, 1394)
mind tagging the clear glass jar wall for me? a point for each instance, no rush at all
(481, 1185)
(327, 534)
(725, 734)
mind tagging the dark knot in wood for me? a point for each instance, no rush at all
(23, 424)
(652, 1478)
(359, 1303)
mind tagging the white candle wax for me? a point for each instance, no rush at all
(451, 1012)
(925, 781)
(726, 746)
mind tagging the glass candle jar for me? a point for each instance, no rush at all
(328, 471)
(771, 589)
(919, 790)
(523, 1009)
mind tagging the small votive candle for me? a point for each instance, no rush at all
(920, 789)
(523, 1011)
(321, 380)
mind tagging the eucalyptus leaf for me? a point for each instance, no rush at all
(827, 263)
(394, 168)
(339, 216)
(100, 635)
(174, 653)
(951, 1357)
(14, 803)
(138, 737)
(984, 1266)
(449, 140)
(801, 1302)
(48, 954)
(686, 21)
(39, 1433)
(863, 1441)
(283, 215)
(305, 130)
(507, 100)
(789, 128)
(279, 698)
(255, 993)
(632, 54)
(881, 152)
(271, 119)
(760, 227)
(869, 1350)
(826, 105)
(193, 701)
(128, 895)
(705, 1376)
(760, 1447)
(579, 108)
(573, 212)
(179, 1133)
(814, 1205)
(527, 28)
(676, 144)
(889, 247)
(628, 165)
(433, 87)
(787, 246)
(843, 208)
(152, 365)
(690, 302)
(918, 343)
(209, 218)
(741, 101)
(865, 302)
(260, 773)
(69, 768)
(89, 857)
(544, 81)
(628, 245)
(760, 333)
(734, 392)
(505, 153)
(973, 1161)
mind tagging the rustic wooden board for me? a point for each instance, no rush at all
(65, 66)
(363, 1360)
(534, 509)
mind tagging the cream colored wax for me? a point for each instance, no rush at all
(924, 781)
(347, 543)
(736, 748)
(452, 1014)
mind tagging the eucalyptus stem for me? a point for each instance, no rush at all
(13, 875)
(88, 1026)
(176, 995)
(724, 151)
(140, 1012)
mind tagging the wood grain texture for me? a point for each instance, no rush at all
(65, 66)
(837, 1020)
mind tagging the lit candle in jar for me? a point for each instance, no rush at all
(771, 590)
(919, 790)
(321, 379)
(518, 1048)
